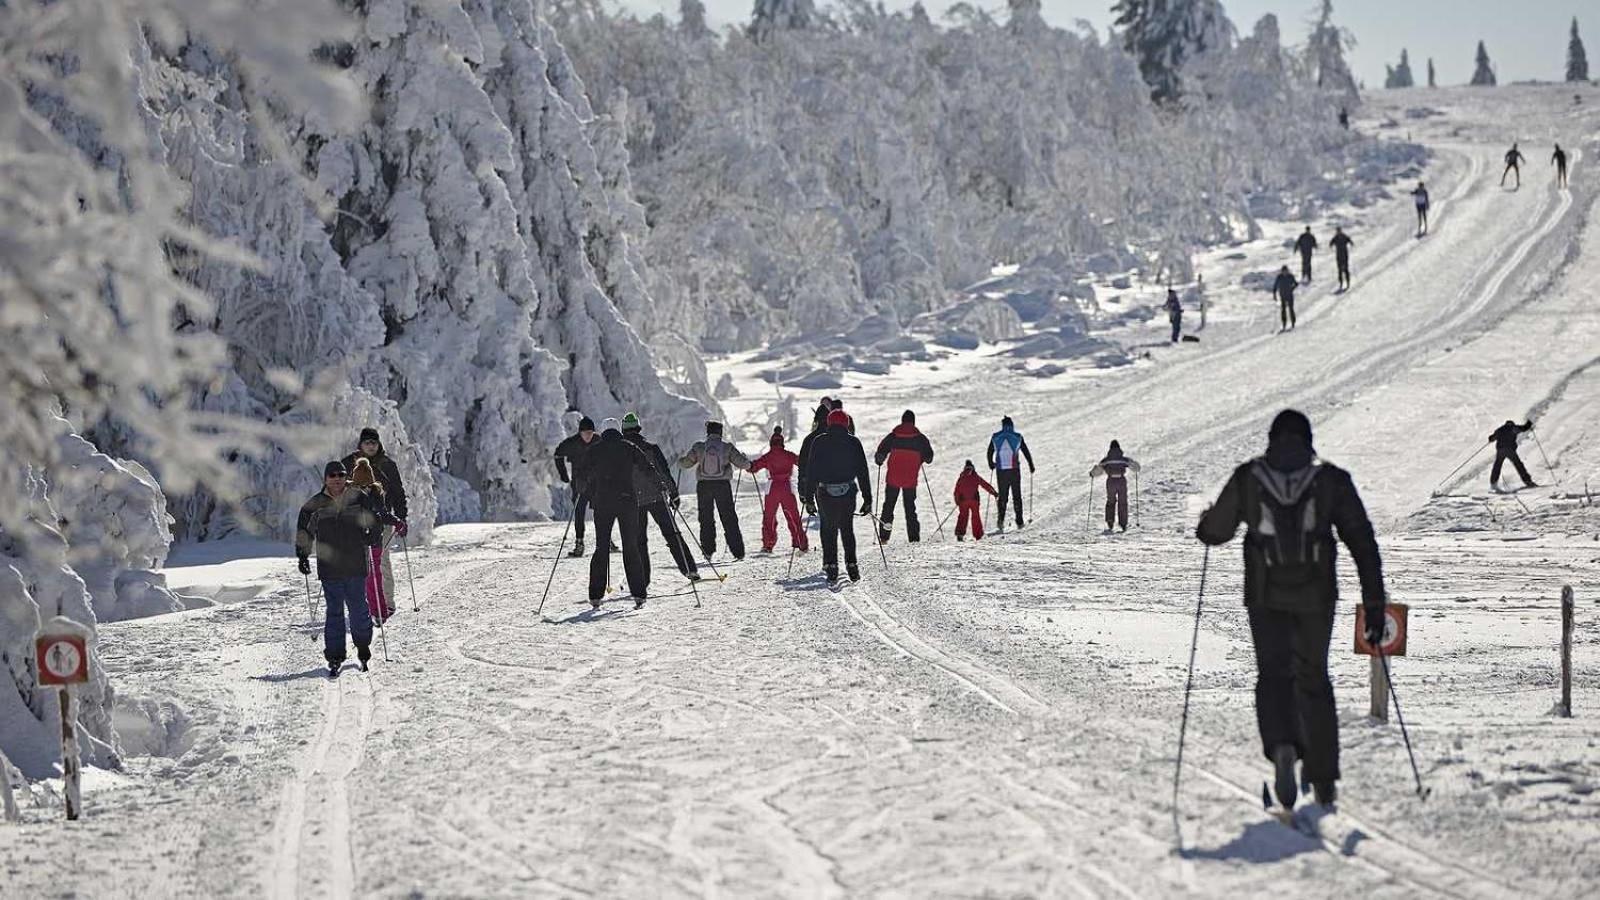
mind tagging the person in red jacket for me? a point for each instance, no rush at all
(906, 450)
(780, 464)
(968, 502)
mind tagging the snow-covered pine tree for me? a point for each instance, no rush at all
(1026, 17)
(1433, 77)
(1483, 71)
(1577, 59)
(772, 16)
(692, 19)
(1399, 76)
(1325, 50)
(1165, 35)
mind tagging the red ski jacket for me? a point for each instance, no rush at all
(778, 462)
(967, 487)
(906, 449)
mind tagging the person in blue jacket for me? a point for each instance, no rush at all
(1007, 450)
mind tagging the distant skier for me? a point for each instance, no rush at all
(380, 604)
(657, 497)
(1283, 288)
(835, 472)
(1115, 468)
(714, 460)
(1290, 504)
(1344, 118)
(906, 450)
(1505, 447)
(779, 465)
(839, 405)
(819, 423)
(1514, 161)
(1420, 197)
(574, 451)
(1341, 245)
(969, 503)
(614, 472)
(1174, 308)
(340, 524)
(1007, 450)
(1560, 161)
(1307, 245)
(369, 446)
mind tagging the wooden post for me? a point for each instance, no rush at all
(1565, 710)
(1379, 707)
(69, 756)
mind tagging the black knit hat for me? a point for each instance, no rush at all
(713, 428)
(585, 424)
(1290, 422)
(368, 434)
(335, 467)
(908, 418)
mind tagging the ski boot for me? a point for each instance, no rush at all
(594, 602)
(577, 550)
(1325, 794)
(853, 571)
(334, 667)
(363, 656)
(692, 575)
(1283, 759)
(832, 574)
(638, 602)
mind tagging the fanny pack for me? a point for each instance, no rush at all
(838, 489)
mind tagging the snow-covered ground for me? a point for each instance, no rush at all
(978, 719)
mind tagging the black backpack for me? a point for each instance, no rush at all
(1289, 533)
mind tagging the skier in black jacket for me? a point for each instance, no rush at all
(1307, 244)
(1505, 447)
(1341, 244)
(1291, 592)
(340, 524)
(654, 496)
(1559, 159)
(837, 467)
(394, 495)
(609, 481)
(575, 450)
(819, 423)
(1283, 289)
(1514, 161)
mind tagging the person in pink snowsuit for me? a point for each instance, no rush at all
(780, 465)
(968, 501)
(379, 604)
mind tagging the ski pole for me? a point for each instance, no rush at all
(1422, 792)
(410, 579)
(562, 546)
(932, 504)
(877, 485)
(1136, 499)
(383, 636)
(879, 528)
(1030, 496)
(311, 608)
(1460, 467)
(1188, 687)
(720, 577)
(1540, 444)
(1088, 511)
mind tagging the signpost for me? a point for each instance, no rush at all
(1394, 644)
(62, 654)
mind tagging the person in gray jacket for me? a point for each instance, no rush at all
(713, 461)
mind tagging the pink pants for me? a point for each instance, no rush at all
(377, 604)
(781, 497)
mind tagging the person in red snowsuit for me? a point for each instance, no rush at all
(780, 465)
(968, 502)
(906, 450)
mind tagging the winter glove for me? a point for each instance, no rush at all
(676, 501)
(1375, 622)
(400, 527)
(866, 507)
(304, 566)
(811, 506)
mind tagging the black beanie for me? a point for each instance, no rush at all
(713, 428)
(1290, 421)
(908, 418)
(368, 434)
(334, 468)
(585, 424)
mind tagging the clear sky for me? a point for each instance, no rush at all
(1527, 39)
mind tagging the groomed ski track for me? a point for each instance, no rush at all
(994, 718)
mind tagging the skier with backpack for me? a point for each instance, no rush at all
(969, 503)
(1420, 197)
(1007, 450)
(1505, 447)
(657, 498)
(906, 450)
(573, 451)
(1291, 503)
(1174, 308)
(835, 472)
(614, 475)
(714, 460)
(1341, 244)
(1115, 468)
(779, 465)
(340, 524)
(1307, 244)
(1559, 160)
(1514, 161)
(1283, 288)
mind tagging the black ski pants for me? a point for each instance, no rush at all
(580, 508)
(838, 525)
(1117, 501)
(1510, 168)
(1177, 326)
(1286, 311)
(716, 499)
(1294, 696)
(1343, 259)
(913, 524)
(1009, 485)
(1305, 267)
(682, 557)
(628, 521)
(1500, 457)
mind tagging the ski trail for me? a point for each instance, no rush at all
(312, 841)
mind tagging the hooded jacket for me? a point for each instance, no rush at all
(394, 490)
(906, 449)
(1290, 460)
(836, 458)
